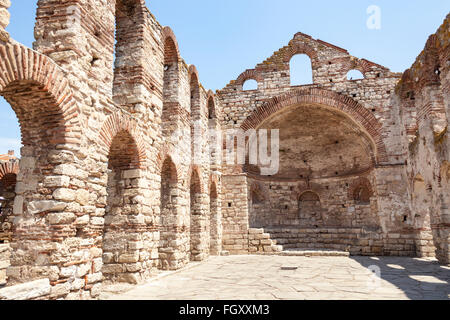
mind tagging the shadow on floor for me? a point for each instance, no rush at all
(417, 278)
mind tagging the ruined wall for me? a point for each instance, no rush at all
(88, 203)
(423, 96)
(343, 107)
(334, 202)
(118, 176)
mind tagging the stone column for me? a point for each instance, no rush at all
(4, 19)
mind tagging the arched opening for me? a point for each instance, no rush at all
(250, 84)
(214, 220)
(421, 209)
(195, 97)
(355, 75)
(301, 70)
(196, 217)
(170, 80)
(128, 46)
(309, 209)
(121, 210)
(42, 131)
(168, 214)
(328, 144)
(196, 138)
(362, 195)
(211, 109)
(10, 145)
(322, 156)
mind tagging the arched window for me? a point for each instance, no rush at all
(196, 216)
(250, 84)
(310, 211)
(168, 211)
(128, 46)
(214, 230)
(301, 70)
(211, 108)
(170, 85)
(355, 75)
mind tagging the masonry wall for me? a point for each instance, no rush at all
(281, 204)
(330, 64)
(235, 220)
(87, 208)
(423, 96)
(101, 123)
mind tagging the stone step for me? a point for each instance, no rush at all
(314, 253)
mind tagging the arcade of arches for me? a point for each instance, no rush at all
(118, 179)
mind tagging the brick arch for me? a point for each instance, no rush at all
(198, 170)
(193, 73)
(116, 124)
(9, 168)
(213, 179)
(193, 77)
(23, 68)
(213, 194)
(364, 66)
(350, 64)
(174, 175)
(300, 48)
(250, 74)
(167, 153)
(195, 107)
(344, 104)
(170, 45)
(361, 182)
(8, 173)
(303, 194)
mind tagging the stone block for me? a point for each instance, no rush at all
(26, 291)
(64, 194)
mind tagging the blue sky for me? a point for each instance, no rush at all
(222, 38)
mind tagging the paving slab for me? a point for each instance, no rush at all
(315, 278)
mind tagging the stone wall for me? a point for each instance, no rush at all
(5, 253)
(235, 220)
(118, 177)
(423, 97)
(388, 108)
(88, 204)
(333, 202)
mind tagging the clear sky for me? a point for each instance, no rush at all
(222, 38)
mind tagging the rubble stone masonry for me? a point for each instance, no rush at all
(118, 177)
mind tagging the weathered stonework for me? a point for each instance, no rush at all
(118, 177)
(4, 263)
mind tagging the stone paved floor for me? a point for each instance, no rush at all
(331, 278)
